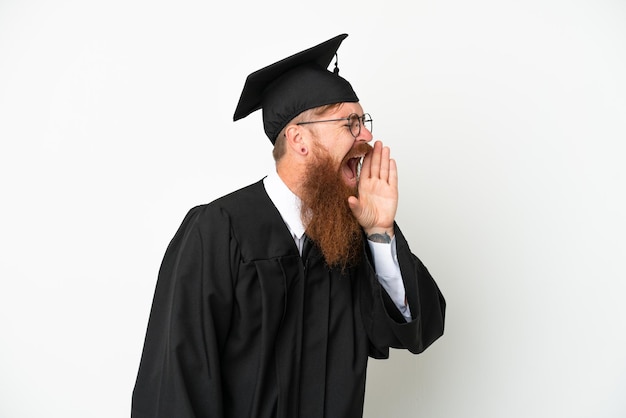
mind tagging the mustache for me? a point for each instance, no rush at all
(359, 151)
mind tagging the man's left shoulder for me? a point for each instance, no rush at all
(241, 198)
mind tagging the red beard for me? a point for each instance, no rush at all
(325, 212)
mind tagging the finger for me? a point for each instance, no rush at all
(393, 173)
(376, 157)
(384, 164)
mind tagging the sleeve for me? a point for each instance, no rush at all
(179, 373)
(385, 259)
(385, 325)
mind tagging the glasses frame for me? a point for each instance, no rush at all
(366, 117)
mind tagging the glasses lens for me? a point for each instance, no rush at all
(356, 121)
(367, 121)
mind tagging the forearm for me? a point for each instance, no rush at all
(385, 259)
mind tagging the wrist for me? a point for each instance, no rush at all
(381, 235)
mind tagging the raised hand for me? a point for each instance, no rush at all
(377, 201)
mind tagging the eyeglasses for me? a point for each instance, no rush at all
(354, 123)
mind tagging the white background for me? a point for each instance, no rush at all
(508, 123)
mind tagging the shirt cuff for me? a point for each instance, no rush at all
(388, 274)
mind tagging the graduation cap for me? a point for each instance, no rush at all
(295, 84)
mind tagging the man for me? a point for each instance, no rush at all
(270, 299)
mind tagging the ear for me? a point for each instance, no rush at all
(295, 140)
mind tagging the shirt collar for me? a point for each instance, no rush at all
(287, 203)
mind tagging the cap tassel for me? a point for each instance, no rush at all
(336, 70)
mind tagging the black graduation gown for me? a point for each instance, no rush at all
(242, 326)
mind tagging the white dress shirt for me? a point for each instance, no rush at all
(384, 254)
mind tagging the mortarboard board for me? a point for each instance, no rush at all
(295, 84)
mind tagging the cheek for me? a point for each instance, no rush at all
(346, 147)
(338, 145)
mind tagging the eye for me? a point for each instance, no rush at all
(355, 121)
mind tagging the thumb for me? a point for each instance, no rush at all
(355, 206)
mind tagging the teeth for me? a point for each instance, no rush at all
(358, 168)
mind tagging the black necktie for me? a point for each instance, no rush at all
(306, 246)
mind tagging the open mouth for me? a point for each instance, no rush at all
(353, 161)
(353, 166)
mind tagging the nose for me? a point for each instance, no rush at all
(365, 135)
